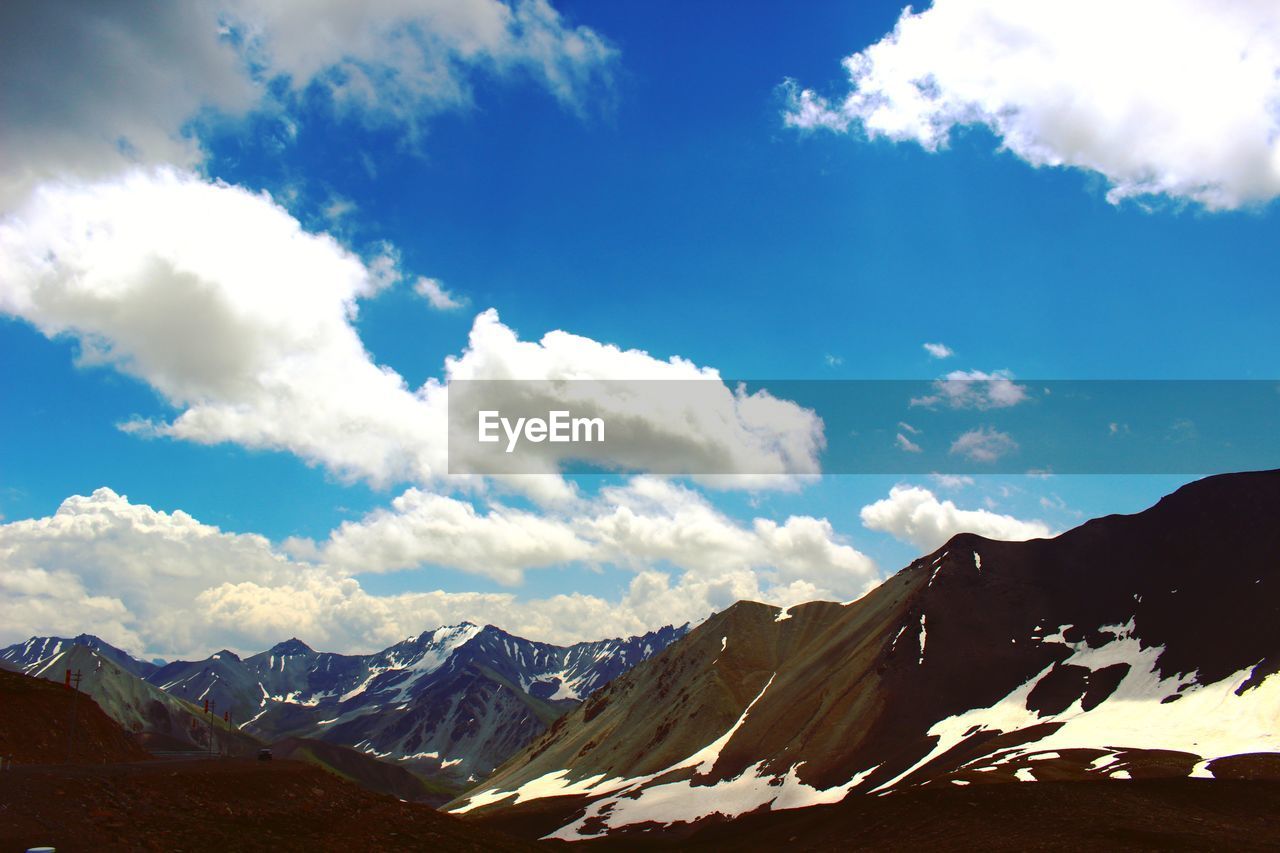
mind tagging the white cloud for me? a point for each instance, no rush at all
(1172, 97)
(400, 59)
(242, 320)
(690, 422)
(832, 360)
(436, 295)
(421, 527)
(914, 515)
(984, 444)
(938, 350)
(219, 300)
(91, 87)
(905, 444)
(974, 389)
(649, 521)
(653, 520)
(126, 572)
(160, 583)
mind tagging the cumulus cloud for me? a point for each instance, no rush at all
(914, 515)
(218, 299)
(649, 521)
(422, 527)
(124, 571)
(243, 321)
(984, 444)
(938, 350)
(163, 583)
(653, 520)
(1170, 97)
(90, 87)
(974, 389)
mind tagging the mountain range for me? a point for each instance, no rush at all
(1131, 647)
(450, 704)
(1132, 650)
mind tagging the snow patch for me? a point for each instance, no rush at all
(1209, 720)
(923, 636)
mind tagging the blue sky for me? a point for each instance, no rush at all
(660, 200)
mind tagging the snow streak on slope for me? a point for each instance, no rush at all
(636, 800)
(555, 784)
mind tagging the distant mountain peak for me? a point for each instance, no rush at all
(291, 646)
(442, 633)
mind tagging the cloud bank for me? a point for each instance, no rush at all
(163, 583)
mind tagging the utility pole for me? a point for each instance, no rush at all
(213, 707)
(73, 679)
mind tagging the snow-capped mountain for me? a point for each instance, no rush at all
(1130, 647)
(454, 702)
(23, 656)
(287, 672)
(464, 699)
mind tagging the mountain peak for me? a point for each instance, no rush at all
(439, 634)
(291, 646)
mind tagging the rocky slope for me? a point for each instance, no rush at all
(1130, 647)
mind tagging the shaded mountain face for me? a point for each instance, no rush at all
(453, 703)
(158, 720)
(20, 656)
(1132, 646)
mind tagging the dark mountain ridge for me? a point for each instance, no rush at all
(1132, 646)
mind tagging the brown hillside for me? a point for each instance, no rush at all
(35, 718)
